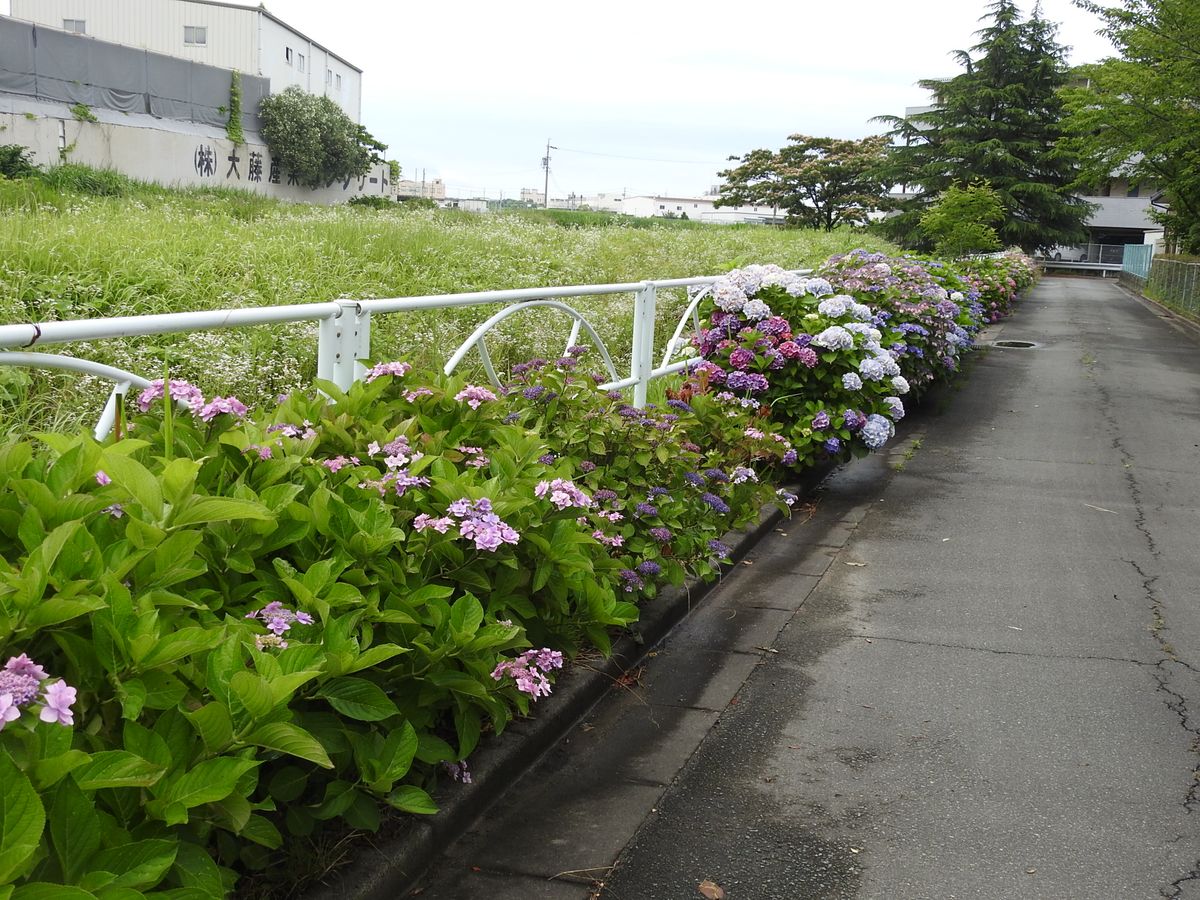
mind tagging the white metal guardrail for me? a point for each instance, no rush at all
(344, 333)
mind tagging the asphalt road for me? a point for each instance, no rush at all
(970, 670)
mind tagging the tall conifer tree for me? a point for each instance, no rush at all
(995, 123)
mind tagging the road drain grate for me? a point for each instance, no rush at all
(1015, 345)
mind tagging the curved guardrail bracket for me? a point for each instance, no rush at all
(122, 380)
(692, 312)
(477, 337)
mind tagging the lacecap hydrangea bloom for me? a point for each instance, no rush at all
(23, 683)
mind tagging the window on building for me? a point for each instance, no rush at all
(76, 26)
(287, 55)
(1134, 190)
(300, 62)
(329, 78)
(337, 82)
(662, 206)
(195, 35)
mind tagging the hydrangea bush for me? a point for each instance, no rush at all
(230, 627)
(831, 357)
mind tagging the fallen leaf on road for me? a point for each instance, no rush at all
(1101, 508)
(856, 565)
(1015, 628)
(1031, 871)
(747, 562)
(767, 649)
(711, 891)
(856, 849)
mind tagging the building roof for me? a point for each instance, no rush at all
(274, 18)
(1122, 212)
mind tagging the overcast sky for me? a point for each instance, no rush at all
(637, 95)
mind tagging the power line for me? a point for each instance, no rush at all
(682, 162)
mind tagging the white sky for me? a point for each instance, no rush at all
(470, 91)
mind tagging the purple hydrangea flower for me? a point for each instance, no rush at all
(747, 381)
(820, 421)
(715, 502)
(789, 458)
(662, 535)
(587, 466)
(741, 359)
(533, 393)
(646, 510)
(278, 618)
(649, 568)
(876, 431)
(630, 581)
(181, 392)
(102, 478)
(833, 445)
(720, 549)
(562, 493)
(716, 475)
(695, 479)
(657, 492)
(679, 405)
(604, 495)
(398, 369)
(441, 524)
(546, 459)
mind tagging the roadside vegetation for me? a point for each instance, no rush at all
(238, 632)
(78, 243)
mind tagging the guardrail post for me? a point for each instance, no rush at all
(341, 342)
(642, 357)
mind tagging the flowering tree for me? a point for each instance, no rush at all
(314, 138)
(820, 182)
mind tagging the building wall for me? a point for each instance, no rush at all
(238, 38)
(168, 152)
(434, 189)
(158, 25)
(318, 61)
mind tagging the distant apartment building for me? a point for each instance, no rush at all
(433, 189)
(534, 196)
(227, 35)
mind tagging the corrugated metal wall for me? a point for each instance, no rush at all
(158, 25)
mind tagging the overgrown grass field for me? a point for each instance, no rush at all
(76, 243)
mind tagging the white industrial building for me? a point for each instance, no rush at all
(703, 209)
(249, 39)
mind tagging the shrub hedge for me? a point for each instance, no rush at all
(226, 628)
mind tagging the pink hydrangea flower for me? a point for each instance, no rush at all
(231, 405)
(474, 396)
(58, 698)
(181, 392)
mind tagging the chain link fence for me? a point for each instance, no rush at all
(1175, 283)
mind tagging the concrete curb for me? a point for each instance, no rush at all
(387, 867)
(1180, 321)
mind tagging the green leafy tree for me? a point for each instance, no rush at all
(963, 219)
(997, 122)
(820, 182)
(314, 138)
(1137, 115)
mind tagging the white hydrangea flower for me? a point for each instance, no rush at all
(835, 337)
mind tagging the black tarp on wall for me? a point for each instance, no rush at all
(70, 68)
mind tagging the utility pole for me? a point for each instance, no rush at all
(546, 166)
